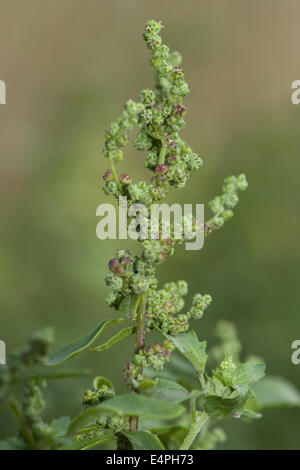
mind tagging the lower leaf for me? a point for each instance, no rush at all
(144, 440)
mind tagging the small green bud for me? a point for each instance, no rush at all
(143, 141)
(182, 288)
(227, 214)
(242, 183)
(111, 189)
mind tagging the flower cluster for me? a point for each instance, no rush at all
(156, 251)
(97, 430)
(169, 73)
(159, 117)
(169, 237)
(222, 205)
(199, 305)
(154, 356)
(114, 423)
(96, 396)
(116, 137)
(164, 307)
(128, 276)
(226, 369)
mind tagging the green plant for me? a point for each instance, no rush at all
(215, 385)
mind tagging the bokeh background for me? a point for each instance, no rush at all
(69, 66)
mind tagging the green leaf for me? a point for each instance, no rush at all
(99, 381)
(120, 336)
(130, 404)
(275, 392)
(167, 390)
(87, 443)
(13, 443)
(250, 414)
(80, 344)
(194, 350)
(219, 408)
(175, 437)
(144, 384)
(60, 426)
(144, 440)
(129, 305)
(95, 443)
(249, 372)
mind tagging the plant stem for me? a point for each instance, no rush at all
(114, 173)
(198, 419)
(162, 153)
(140, 344)
(27, 434)
(135, 307)
(202, 382)
(141, 325)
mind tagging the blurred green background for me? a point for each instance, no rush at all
(69, 66)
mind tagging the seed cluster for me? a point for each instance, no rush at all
(97, 429)
(96, 396)
(222, 205)
(226, 370)
(154, 356)
(128, 276)
(165, 305)
(159, 118)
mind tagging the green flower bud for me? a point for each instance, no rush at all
(174, 58)
(139, 283)
(111, 189)
(118, 156)
(148, 97)
(227, 214)
(182, 288)
(216, 204)
(151, 161)
(218, 222)
(143, 141)
(90, 398)
(242, 183)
